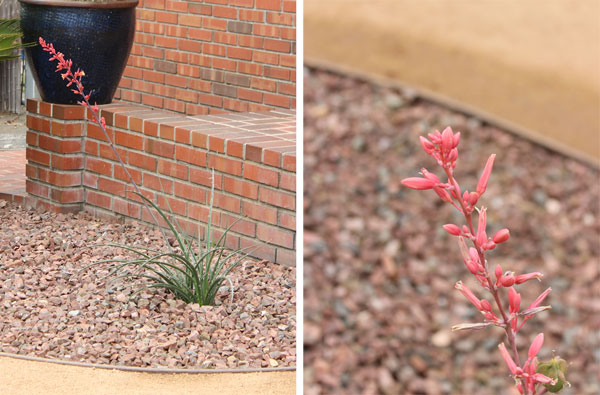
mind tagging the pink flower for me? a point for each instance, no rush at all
(507, 280)
(528, 371)
(535, 346)
(521, 278)
(540, 298)
(473, 198)
(481, 235)
(468, 294)
(512, 366)
(501, 236)
(418, 183)
(452, 229)
(443, 194)
(427, 145)
(443, 148)
(498, 273)
(485, 176)
(447, 139)
(514, 301)
(534, 306)
(485, 305)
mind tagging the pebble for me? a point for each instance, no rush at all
(81, 315)
(379, 248)
(441, 338)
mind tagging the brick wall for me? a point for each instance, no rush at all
(207, 57)
(72, 167)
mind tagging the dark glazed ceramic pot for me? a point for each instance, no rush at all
(97, 36)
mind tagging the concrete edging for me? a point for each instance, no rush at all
(143, 370)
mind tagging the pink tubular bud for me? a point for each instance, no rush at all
(540, 298)
(540, 378)
(435, 137)
(473, 254)
(490, 245)
(485, 176)
(453, 155)
(430, 176)
(501, 236)
(473, 198)
(507, 358)
(535, 346)
(418, 183)
(455, 140)
(427, 145)
(456, 191)
(443, 194)
(521, 278)
(498, 272)
(468, 294)
(491, 316)
(485, 305)
(465, 229)
(447, 139)
(452, 229)
(514, 301)
(507, 280)
(473, 267)
(463, 248)
(481, 237)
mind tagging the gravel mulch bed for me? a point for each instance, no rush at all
(380, 270)
(51, 308)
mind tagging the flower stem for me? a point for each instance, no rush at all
(510, 334)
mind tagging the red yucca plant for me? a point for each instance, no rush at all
(192, 275)
(531, 377)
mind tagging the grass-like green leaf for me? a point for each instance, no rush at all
(193, 276)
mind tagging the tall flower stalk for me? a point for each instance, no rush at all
(443, 148)
(194, 276)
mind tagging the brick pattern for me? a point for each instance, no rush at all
(214, 56)
(54, 155)
(171, 157)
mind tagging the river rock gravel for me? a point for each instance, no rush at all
(53, 305)
(379, 270)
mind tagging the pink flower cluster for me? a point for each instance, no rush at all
(443, 147)
(72, 78)
(527, 372)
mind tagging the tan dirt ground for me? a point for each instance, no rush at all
(28, 378)
(535, 63)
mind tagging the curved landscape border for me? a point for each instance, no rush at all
(22, 374)
(455, 105)
(141, 369)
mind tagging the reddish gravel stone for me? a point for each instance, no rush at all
(54, 305)
(380, 270)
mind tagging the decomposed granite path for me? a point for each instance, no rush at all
(535, 63)
(18, 376)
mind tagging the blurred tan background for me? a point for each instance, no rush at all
(534, 64)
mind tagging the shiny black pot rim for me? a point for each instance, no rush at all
(84, 4)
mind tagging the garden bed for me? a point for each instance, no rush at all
(379, 298)
(55, 307)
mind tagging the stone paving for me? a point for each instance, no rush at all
(12, 174)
